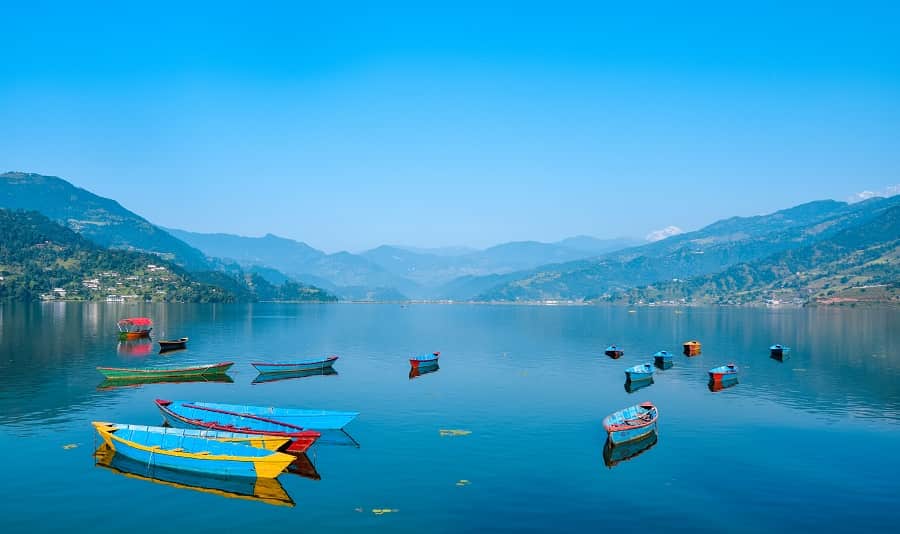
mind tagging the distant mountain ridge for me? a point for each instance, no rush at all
(706, 251)
(393, 272)
(100, 219)
(844, 267)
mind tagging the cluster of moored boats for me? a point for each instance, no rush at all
(222, 439)
(633, 430)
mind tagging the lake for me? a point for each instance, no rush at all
(806, 444)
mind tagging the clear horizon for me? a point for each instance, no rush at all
(471, 126)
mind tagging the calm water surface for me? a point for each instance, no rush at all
(809, 443)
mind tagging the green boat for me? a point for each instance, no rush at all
(115, 373)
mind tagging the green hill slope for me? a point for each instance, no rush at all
(102, 220)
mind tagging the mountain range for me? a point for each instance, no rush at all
(737, 260)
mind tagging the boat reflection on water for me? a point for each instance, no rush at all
(304, 467)
(115, 383)
(135, 347)
(422, 369)
(267, 490)
(633, 385)
(719, 385)
(264, 378)
(336, 438)
(615, 454)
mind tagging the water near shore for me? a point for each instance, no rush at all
(505, 434)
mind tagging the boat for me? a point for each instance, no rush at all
(643, 371)
(691, 348)
(172, 344)
(195, 454)
(272, 443)
(723, 372)
(416, 372)
(302, 365)
(296, 417)
(213, 369)
(134, 347)
(425, 360)
(632, 386)
(614, 352)
(186, 415)
(134, 327)
(264, 378)
(663, 359)
(779, 352)
(113, 383)
(632, 423)
(615, 454)
(264, 490)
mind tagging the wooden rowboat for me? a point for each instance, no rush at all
(779, 352)
(629, 424)
(261, 418)
(723, 372)
(172, 344)
(196, 454)
(663, 359)
(116, 373)
(614, 352)
(643, 371)
(424, 360)
(265, 490)
(691, 348)
(185, 415)
(134, 327)
(303, 365)
(272, 443)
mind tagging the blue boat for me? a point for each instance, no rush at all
(632, 423)
(663, 359)
(267, 419)
(779, 352)
(272, 443)
(614, 352)
(294, 367)
(195, 454)
(426, 360)
(643, 371)
(723, 372)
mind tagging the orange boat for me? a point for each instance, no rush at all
(691, 348)
(135, 327)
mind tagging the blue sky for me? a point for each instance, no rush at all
(347, 125)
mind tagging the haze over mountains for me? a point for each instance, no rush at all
(742, 256)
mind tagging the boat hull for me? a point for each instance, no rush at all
(296, 417)
(422, 364)
(114, 373)
(190, 454)
(172, 345)
(273, 368)
(615, 354)
(625, 436)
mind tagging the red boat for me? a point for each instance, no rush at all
(135, 327)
